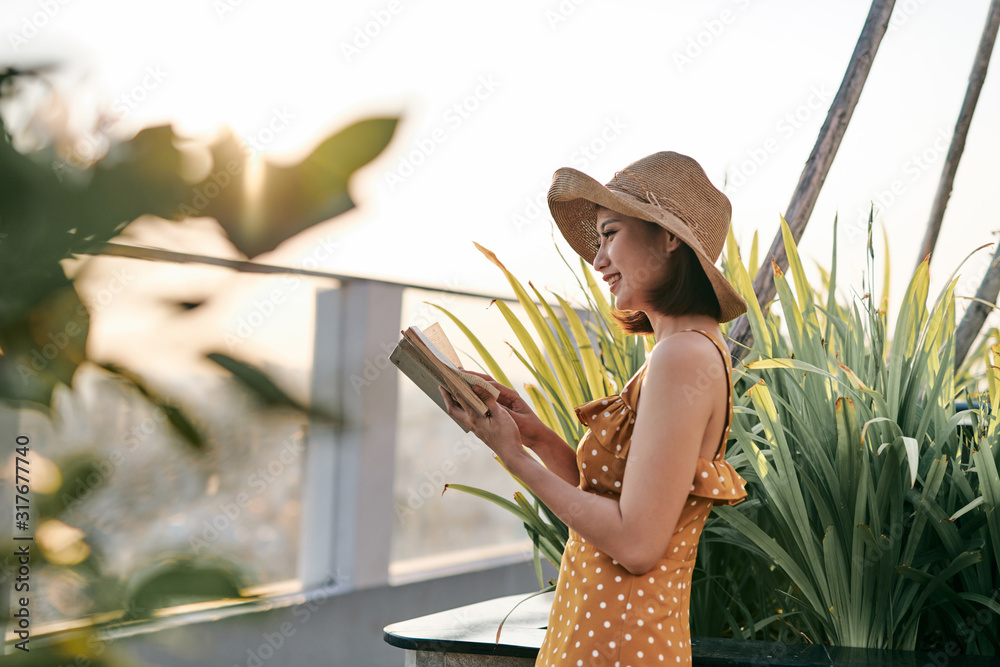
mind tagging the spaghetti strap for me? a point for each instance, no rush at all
(729, 390)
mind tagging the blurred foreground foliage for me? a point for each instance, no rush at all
(56, 205)
(51, 209)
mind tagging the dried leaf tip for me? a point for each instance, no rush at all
(490, 255)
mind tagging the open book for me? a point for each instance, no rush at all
(428, 358)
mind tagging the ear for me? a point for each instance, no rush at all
(671, 241)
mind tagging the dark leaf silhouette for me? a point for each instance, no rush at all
(264, 388)
(289, 199)
(42, 346)
(181, 581)
(174, 414)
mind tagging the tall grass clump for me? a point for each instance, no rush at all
(871, 462)
(871, 504)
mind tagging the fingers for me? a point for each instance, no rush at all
(454, 408)
(504, 389)
(492, 407)
(481, 393)
(491, 402)
(457, 403)
(462, 410)
(507, 395)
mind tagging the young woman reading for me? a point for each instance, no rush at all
(637, 489)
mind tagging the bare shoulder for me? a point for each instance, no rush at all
(686, 369)
(684, 380)
(687, 353)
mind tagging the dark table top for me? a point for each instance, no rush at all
(473, 629)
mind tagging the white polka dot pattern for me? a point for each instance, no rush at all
(602, 614)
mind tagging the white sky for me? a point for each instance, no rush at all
(564, 75)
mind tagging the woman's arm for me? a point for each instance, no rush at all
(635, 529)
(557, 456)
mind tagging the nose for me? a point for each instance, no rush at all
(601, 258)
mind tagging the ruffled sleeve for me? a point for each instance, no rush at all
(718, 481)
(610, 419)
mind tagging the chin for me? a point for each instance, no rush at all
(624, 303)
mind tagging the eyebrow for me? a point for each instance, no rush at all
(607, 222)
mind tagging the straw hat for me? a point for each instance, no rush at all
(666, 188)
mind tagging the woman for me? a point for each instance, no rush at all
(638, 488)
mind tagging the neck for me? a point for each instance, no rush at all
(667, 325)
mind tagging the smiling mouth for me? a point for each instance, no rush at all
(614, 279)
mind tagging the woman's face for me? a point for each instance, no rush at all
(632, 257)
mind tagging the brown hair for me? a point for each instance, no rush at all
(686, 290)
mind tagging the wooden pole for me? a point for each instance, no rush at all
(977, 312)
(976, 79)
(818, 165)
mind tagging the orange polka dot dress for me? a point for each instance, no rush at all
(602, 614)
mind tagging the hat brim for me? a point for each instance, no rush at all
(573, 199)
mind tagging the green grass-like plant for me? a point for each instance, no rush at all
(863, 498)
(872, 512)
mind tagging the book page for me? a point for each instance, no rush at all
(435, 334)
(435, 355)
(433, 348)
(423, 374)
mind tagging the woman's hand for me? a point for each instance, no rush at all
(533, 430)
(498, 429)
